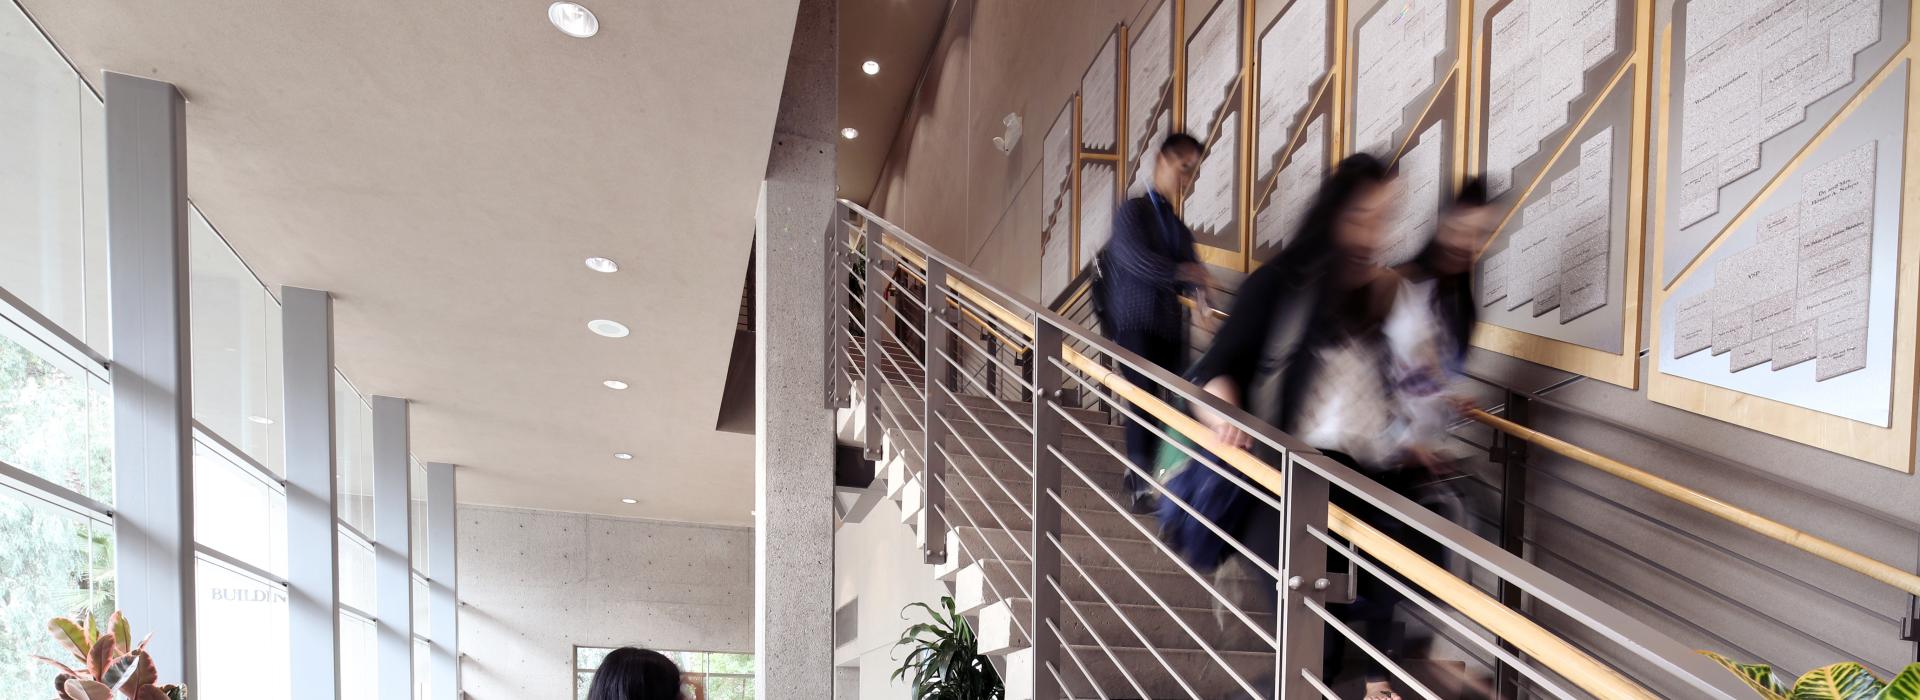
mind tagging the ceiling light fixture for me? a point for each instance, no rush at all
(628, 501)
(622, 455)
(599, 264)
(615, 384)
(850, 133)
(871, 67)
(573, 19)
(263, 420)
(610, 329)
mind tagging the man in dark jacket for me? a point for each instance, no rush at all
(1147, 263)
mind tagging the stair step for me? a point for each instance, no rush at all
(968, 544)
(990, 581)
(1002, 627)
(1197, 668)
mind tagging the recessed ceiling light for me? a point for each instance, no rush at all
(871, 67)
(628, 501)
(573, 20)
(622, 455)
(611, 329)
(615, 384)
(263, 420)
(850, 133)
(598, 264)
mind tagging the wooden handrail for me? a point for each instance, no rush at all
(1535, 641)
(1825, 549)
(1834, 553)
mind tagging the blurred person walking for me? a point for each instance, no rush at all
(1149, 261)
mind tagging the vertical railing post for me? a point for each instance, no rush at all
(933, 482)
(993, 375)
(1303, 575)
(1047, 427)
(870, 345)
(838, 297)
(1511, 454)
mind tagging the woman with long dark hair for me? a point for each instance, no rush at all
(1433, 320)
(630, 673)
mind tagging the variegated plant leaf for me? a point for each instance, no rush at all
(122, 632)
(1905, 686)
(1759, 677)
(86, 689)
(1841, 681)
(70, 636)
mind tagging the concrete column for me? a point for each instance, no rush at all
(443, 545)
(793, 537)
(313, 575)
(152, 385)
(393, 547)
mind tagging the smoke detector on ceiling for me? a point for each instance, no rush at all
(1007, 141)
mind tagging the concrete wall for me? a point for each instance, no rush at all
(878, 566)
(1710, 584)
(535, 583)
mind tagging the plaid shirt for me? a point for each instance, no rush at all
(1138, 266)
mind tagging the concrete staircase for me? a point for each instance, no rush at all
(1108, 554)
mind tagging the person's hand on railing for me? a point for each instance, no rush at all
(1203, 310)
(1223, 429)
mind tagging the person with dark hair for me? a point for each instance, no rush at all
(1433, 321)
(631, 673)
(1147, 264)
(1304, 351)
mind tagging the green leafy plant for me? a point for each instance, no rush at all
(1842, 681)
(944, 658)
(109, 662)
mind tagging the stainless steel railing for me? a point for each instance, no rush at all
(968, 446)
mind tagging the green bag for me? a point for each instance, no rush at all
(1171, 459)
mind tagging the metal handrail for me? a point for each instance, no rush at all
(1571, 663)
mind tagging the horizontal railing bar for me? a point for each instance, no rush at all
(973, 311)
(977, 384)
(991, 549)
(1434, 610)
(1158, 544)
(981, 498)
(1252, 558)
(1317, 684)
(1804, 541)
(896, 338)
(1009, 372)
(957, 403)
(1017, 500)
(1124, 620)
(1732, 646)
(898, 426)
(1710, 544)
(1091, 631)
(888, 356)
(1164, 437)
(1368, 649)
(1060, 682)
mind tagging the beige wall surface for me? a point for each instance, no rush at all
(1704, 581)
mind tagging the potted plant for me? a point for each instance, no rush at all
(1842, 681)
(109, 662)
(944, 657)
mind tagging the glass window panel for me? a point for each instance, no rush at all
(354, 437)
(422, 607)
(236, 348)
(729, 688)
(737, 664)
(417, 515)
(238, 512)
(53, 563)
(56, 419)
(589, 658)
(359, 669)
(42, 184)
(422, 675)
(242, 631)
(357, 582)
(582, 682)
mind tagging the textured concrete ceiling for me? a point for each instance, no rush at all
(443, 167)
